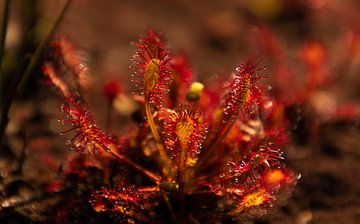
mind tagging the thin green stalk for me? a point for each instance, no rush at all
(165, 159)
(20, 79)
(182, 177)
(4, 25)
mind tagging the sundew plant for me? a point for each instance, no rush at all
(195, 153)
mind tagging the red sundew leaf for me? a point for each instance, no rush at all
(269, 44)
(239, 168)
(65, 52)
(151, 67)
(182, 78)
(60, 84)
(252, 203)
(209, 103)
(243, 199)
(243, 91)
(245, 169)
(88, 137)
(125, 202)
(184, 129)
(278, 178)
(226, 190)
(277, 135)
(233, 175)
(181, 67)
(268, 154)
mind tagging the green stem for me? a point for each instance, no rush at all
(20, 79)
(156, 135)
(4, 25)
